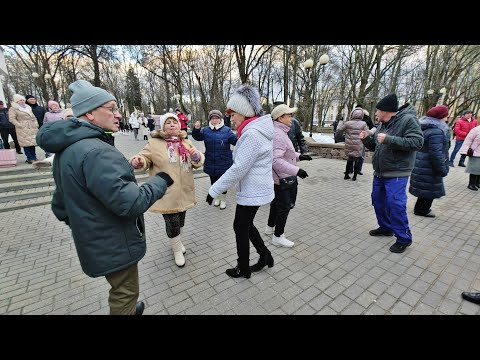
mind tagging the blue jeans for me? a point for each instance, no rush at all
(389, 198)
(458, 145)
(30, 153)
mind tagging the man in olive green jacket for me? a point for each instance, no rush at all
(97, 195)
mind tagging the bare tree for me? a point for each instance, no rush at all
(248, 58)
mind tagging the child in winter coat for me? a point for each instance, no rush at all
(218, 156)
(170, 151)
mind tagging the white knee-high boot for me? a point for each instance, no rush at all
(183, 247)
(176, 244)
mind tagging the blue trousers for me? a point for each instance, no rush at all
(458, 145)
(30, 153)
(389, 198)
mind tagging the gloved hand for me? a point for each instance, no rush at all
(302, 173)
(305, 157)
(209, 199)
(165, 177)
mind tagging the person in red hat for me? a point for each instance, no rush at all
(431, 162)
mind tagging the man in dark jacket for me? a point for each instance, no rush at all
(38, 111)
(395, 144)
(7, 128)
(296, 136)
(97, 195)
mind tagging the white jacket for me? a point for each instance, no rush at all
(133, 121)
(251, 171)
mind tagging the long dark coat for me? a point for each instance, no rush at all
(431, 162)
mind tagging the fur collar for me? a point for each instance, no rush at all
(163, 135)
(27, 109)
(216, 127)
(429, 122)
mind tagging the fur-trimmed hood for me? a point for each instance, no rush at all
(430, 122)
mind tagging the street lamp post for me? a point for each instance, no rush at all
(46, 77)
(308, 64)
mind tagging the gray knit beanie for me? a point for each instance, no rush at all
(245, 101)
(87, 97)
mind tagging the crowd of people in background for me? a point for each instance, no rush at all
(263, 166)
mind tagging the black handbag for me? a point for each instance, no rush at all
(288, 182)
(470, 151)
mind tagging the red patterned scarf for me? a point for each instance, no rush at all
(174, 143)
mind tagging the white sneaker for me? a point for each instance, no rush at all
(223, 204)
(269, 230)
(282, 241)
(216, 202)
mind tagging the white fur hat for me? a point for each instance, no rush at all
(164, 118)
(18, 97)
(245, 101)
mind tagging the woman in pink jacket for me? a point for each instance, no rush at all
(472, 141)
(284, 165)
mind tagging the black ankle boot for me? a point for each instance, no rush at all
(262, 262)
(472, 182)
(346, 177)
(354, 178)
(236, 272)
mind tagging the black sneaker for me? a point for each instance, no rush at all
(399, 248)
(461, 165)
(379, 232)
(430, 214)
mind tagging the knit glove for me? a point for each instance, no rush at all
(302, 173)
(209, 199)
(165, 177)
(305, 157)
(195, 157)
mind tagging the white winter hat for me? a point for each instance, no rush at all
(18, 97)
(164, 118)
(245, 101)
(282, 109)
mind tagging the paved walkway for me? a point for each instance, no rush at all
(335, 267)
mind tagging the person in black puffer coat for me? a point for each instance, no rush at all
(431, 162)
(38, 111)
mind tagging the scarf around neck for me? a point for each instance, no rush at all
(175, 143)
(245, 123)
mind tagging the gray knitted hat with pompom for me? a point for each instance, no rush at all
(245, 101)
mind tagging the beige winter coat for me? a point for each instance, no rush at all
(25, 122)
(180, 196)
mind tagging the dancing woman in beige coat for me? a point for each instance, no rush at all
(170, 151)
